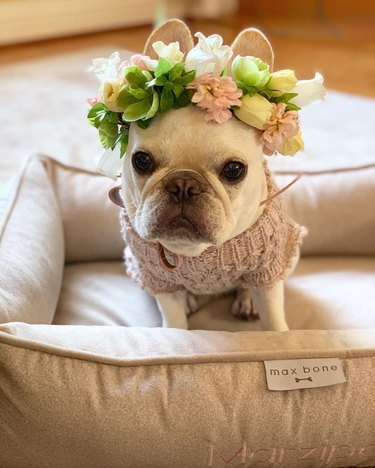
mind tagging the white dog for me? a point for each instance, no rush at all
(191, 191)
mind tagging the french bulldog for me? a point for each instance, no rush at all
(190, 186)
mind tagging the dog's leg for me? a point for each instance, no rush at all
(269, 303)
(173, 309)
(191, 302)
(242, 306)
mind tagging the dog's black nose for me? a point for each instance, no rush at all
(183, 189)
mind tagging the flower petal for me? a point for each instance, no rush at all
(109, 163)
(308, 91)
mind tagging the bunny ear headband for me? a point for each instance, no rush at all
(224, 81)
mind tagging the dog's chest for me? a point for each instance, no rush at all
(258, 257)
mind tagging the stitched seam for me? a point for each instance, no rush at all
(233, 358)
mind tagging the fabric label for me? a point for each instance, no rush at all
(292, 374)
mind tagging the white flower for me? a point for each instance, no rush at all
(208, 56)
(171, 52)
(106, 68)
(109, 163)
(151, 64)
(308, 91)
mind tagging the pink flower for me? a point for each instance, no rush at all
(217, 94)
(93, 100)
(282, 125)
(137, 59)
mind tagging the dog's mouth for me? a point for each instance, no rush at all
(182, 222)
(181, 226)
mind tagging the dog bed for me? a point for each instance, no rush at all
(90, 379)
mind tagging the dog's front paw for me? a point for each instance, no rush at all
(242, 306)
(191, 303)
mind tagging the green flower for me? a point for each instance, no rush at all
(251, 72)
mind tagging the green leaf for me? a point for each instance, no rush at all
(108, 134)
(176, 71)
(252, 90)
(148, 75)
(125, 98)
(134, 75)
(154, 107)
(183, 100)
(124, 138)
(267, 93)
(137, 92)
(112, 117)
(185, 79)
(285, 98)
(157, 82)
(163, 67)
(166, 100)
(242, 87)
(288, 96)
(96, 114)
(291, 106)
(177, 89)
(168, 86)
(144, 123)
(137, 111)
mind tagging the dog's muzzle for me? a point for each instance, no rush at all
(184, 185)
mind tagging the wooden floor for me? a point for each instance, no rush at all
(343, 50)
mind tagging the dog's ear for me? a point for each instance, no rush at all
(253, 42)
(170, 31)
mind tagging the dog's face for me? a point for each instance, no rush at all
(189, 184)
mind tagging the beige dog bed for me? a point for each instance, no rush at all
(89, 379)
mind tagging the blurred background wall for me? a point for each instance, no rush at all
(335, 37)
(24, 20)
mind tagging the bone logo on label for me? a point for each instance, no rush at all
(294, 374)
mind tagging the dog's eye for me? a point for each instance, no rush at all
(142, 162)
(233, 171)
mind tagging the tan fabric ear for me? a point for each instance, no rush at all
(170, 31)
(253, 42)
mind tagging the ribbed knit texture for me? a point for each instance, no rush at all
(258, 257)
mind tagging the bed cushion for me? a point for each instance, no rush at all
(335, 207)
(328, 293)
(31, 247)
(76, 396)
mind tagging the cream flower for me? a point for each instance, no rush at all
(170, 52)
(106, 69)
(109, 163)
(282, 82)
(255, 111)
(109, 91)
(292, 145)
(208, 56)
(308, 91)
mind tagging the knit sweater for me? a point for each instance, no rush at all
(258, 257)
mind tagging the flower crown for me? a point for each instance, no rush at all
(141, 88)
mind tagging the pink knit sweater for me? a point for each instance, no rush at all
(258, 257)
